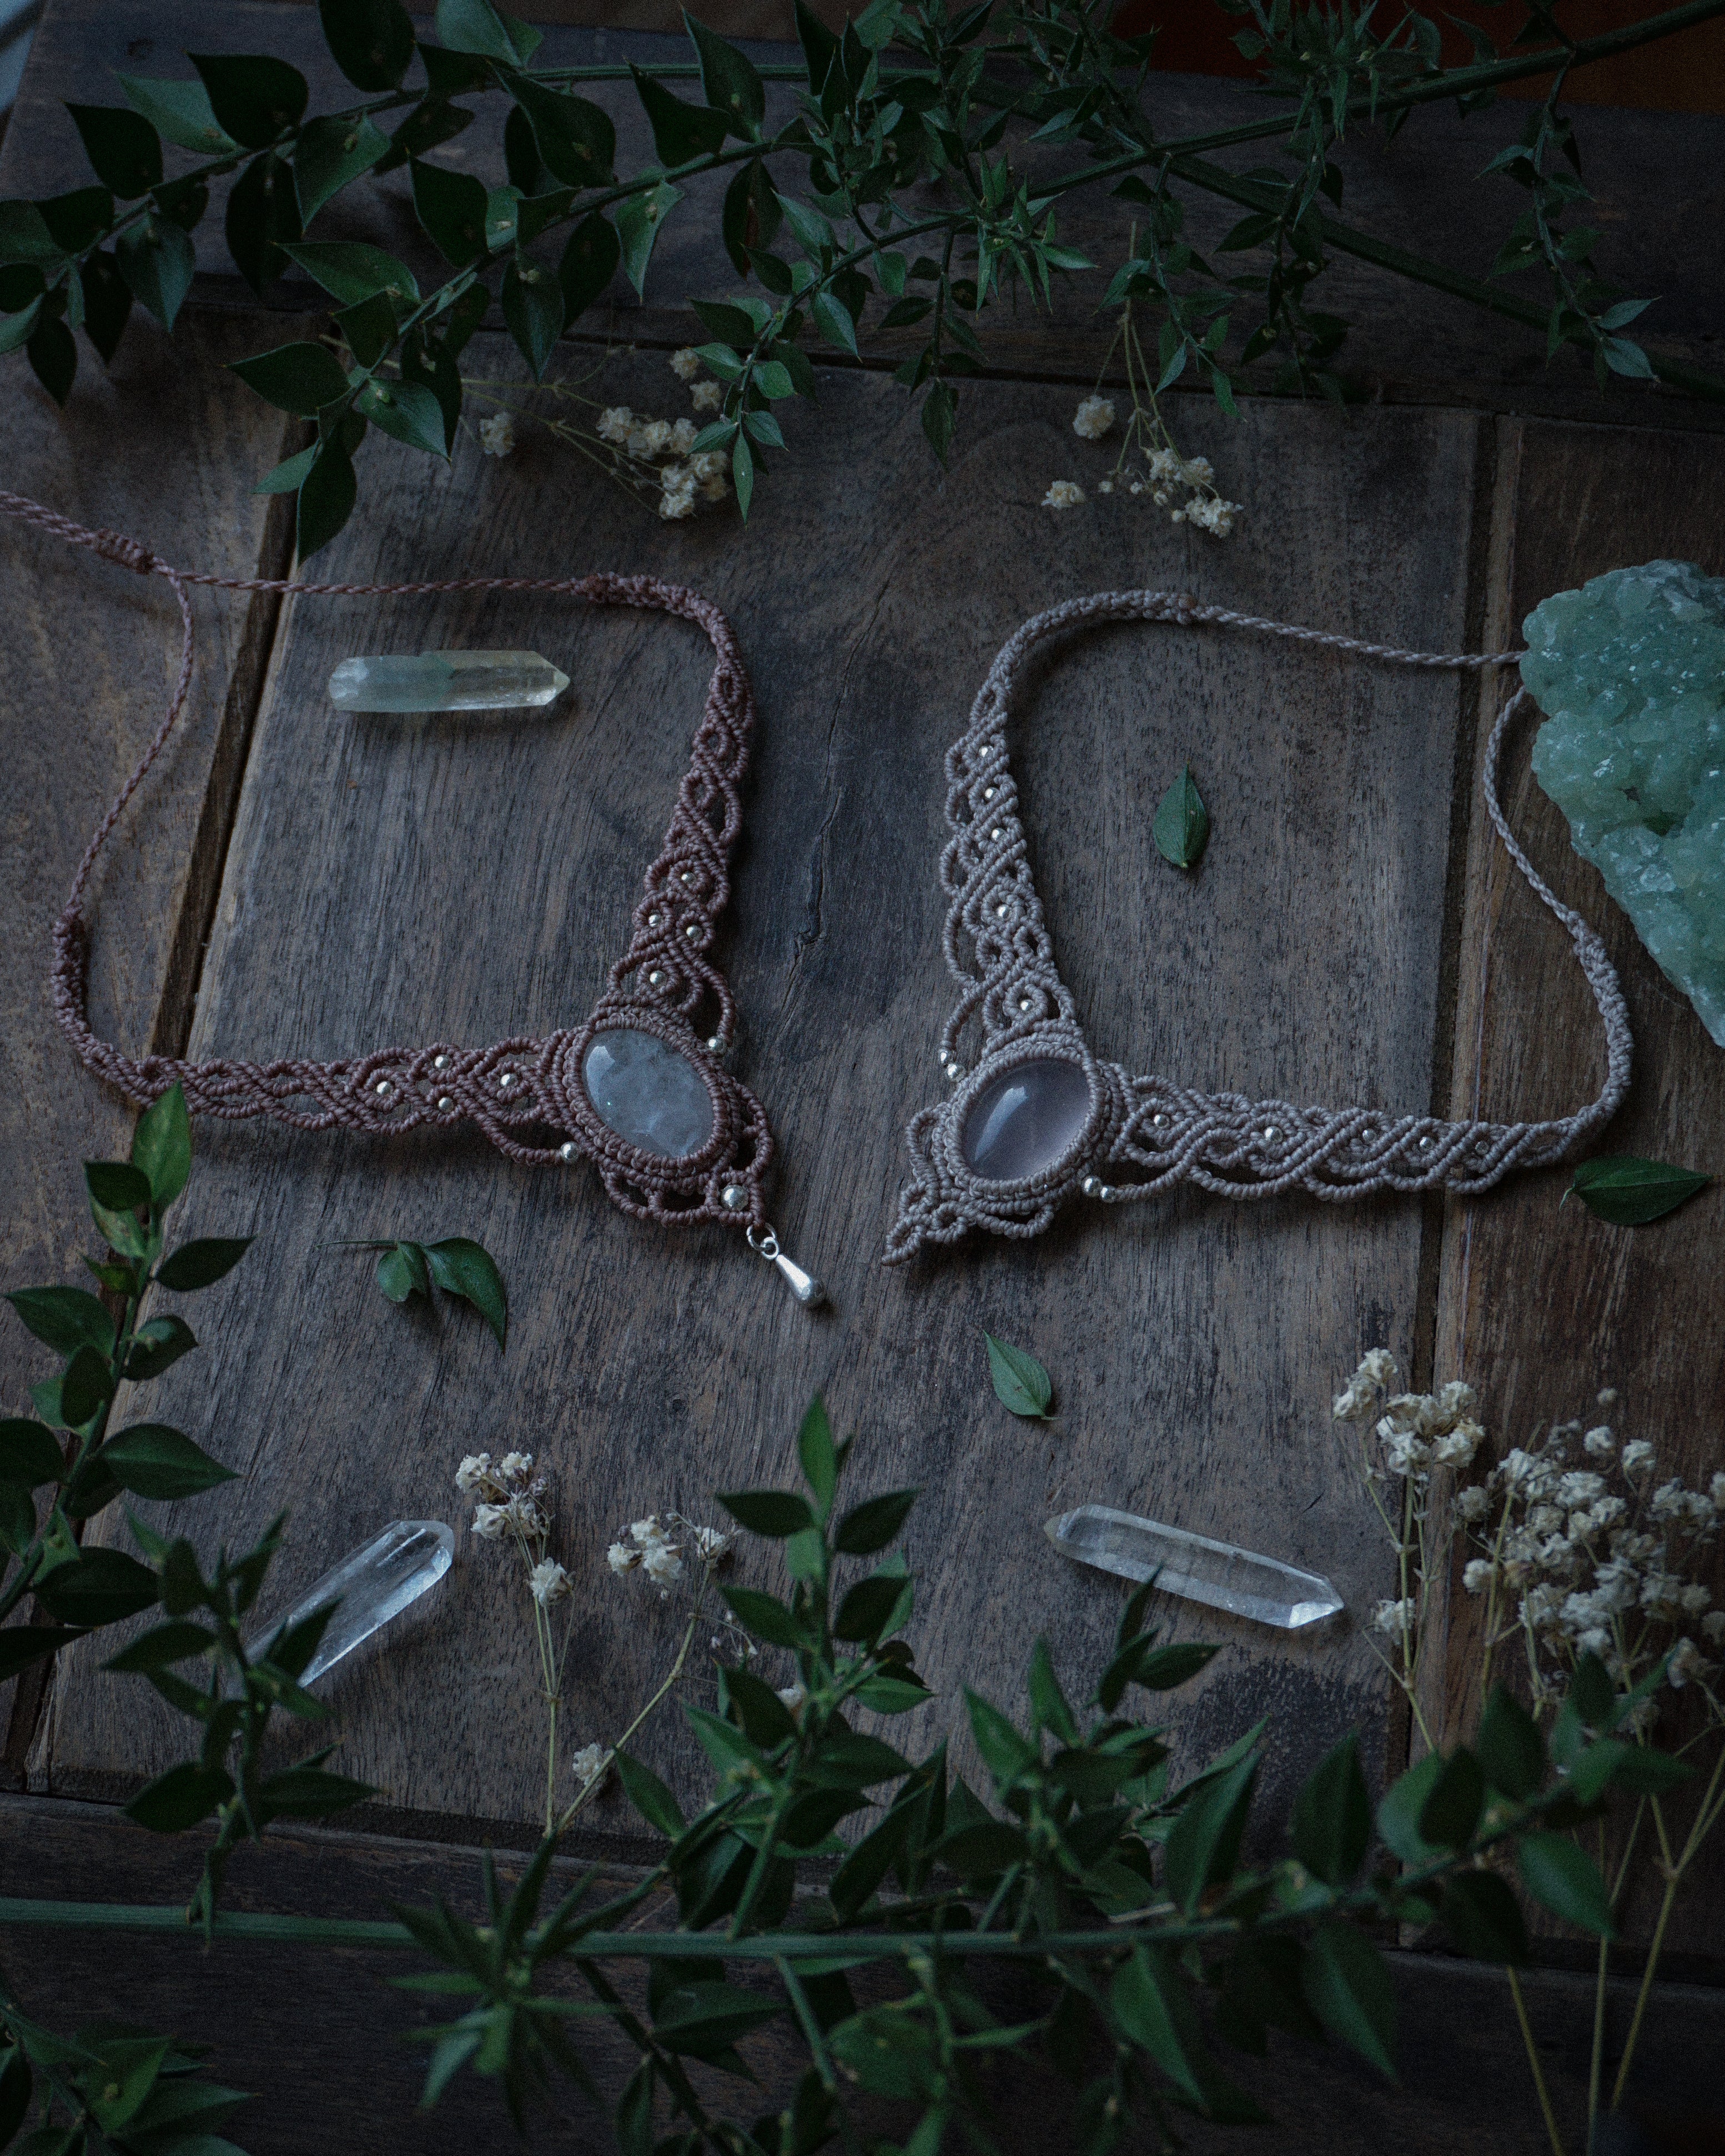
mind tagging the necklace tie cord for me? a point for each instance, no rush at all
(1036, 1118)
(534, 1098)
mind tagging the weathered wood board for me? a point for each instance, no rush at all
(472, 880)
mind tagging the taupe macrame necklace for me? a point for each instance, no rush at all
(1035, 1118)
(665, 1020)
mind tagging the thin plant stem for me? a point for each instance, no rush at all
(1547, 2112)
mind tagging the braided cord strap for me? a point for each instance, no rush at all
(1147, 1133)
(527, 1095)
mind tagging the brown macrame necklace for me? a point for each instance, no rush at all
(665, 1018)
(1035, 1118)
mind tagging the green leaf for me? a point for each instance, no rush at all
(299, 378)
(1005, 1750)
(1484, 1918)
(402, 1271)
(121, 147)
(75, 222)
(873, 1524)
(202, 1263)
(64, 1318)
(702, 2019)
(817, 1456)
(1594, 1695)
(821, 48)
(30, 1453)
(728, 80)
(575, 138)
(533, 309)
(1203, 1843)
(86, 1387)
(871, 1607)
(889, 1695)
(1048, 1703)
(1628, 1193)
(1450, 1815)
(757, 1707)
(475, 26)
(162, 1147)
(371, 41)
(462, 1267)
(1181, 827)
(179, 111)
(21, 1644)
(1623, 355)
(833, 318)
(1565, 1880)
(762, 1614)
(1332, 1816)
(180, 1798)
(160, 1647)
(351, 270)
(116, 1185)
(680, 132)
(638, 221)
(589, 262)
(99, 1587)
(157, 1345)
(743, 474)
(369, 329)
(1021, 1385)
(776, 1513)
(451, 206)
(152, 1461)
(1152, 2003)
(308, 1792)
(1510, 1748)
(1399, 1812)
(16, 2086)
(327, 493)
(18, 329)
(1347, 1987)
(253, 97)
(648, 1795)
(407, 412)
(262, 220)
(329, 155)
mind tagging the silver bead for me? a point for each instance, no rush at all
(1369, 1137)
(1106, 1194)
(734, 1197)
(990, 792)
(1270, 1132)
(1158, 1121)
(655, 921)
(1091, 1186)
(997, 833)
(716, 1044)
(1000, 913)
(686, 875)
(383, 1088)
(444, 1104)
(569, 1152)
(439, 1062)
(505, 1082)
(655, 979)
(1427, 1142)
(955, 1071)
(1024, 1003)
(693, 931)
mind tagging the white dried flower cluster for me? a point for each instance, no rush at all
(548, 1583)
(685, 364)
(509, 1496)
(1599, 1559)
(704, 394)
(589, 1765)
(1417, 1431)
(664, 448)
(656, 1545)
(1394, 1618)
(1093, 418)
(496, 434)
(1148, 463)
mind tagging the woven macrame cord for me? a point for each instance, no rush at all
(1146, 1133)
(513, 1090)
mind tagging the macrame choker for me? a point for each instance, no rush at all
(667, 1003)
(1036, 1118)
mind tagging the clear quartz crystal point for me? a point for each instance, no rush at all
(447, 681)
(372, 1584)
(1219, 1573)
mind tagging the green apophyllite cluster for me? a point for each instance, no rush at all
(1630, 673)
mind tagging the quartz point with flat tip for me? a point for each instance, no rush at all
(372, 1584)
(1219, 1573)
(447, 681)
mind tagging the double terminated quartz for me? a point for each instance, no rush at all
(447, 681)
(1630, 673)
(1220, 1574)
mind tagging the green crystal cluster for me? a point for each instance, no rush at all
(1630, 673)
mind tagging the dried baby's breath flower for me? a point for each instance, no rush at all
(548, 1581)
(1093, 418)
(1393, 1618)
(792, 1696)
(615, 423)
(472, 1472)
(1063, 494)
(708, 396)
(622, 1557)
(588, 1766)
(685, 364)
(496, 434)
(490, 1522)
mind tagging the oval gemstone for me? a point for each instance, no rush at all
(1026, 1119)
(651, 1095)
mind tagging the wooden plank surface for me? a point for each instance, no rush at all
(1656, 176)
(1542, 1306)
(318, 2033)
(473, 880)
